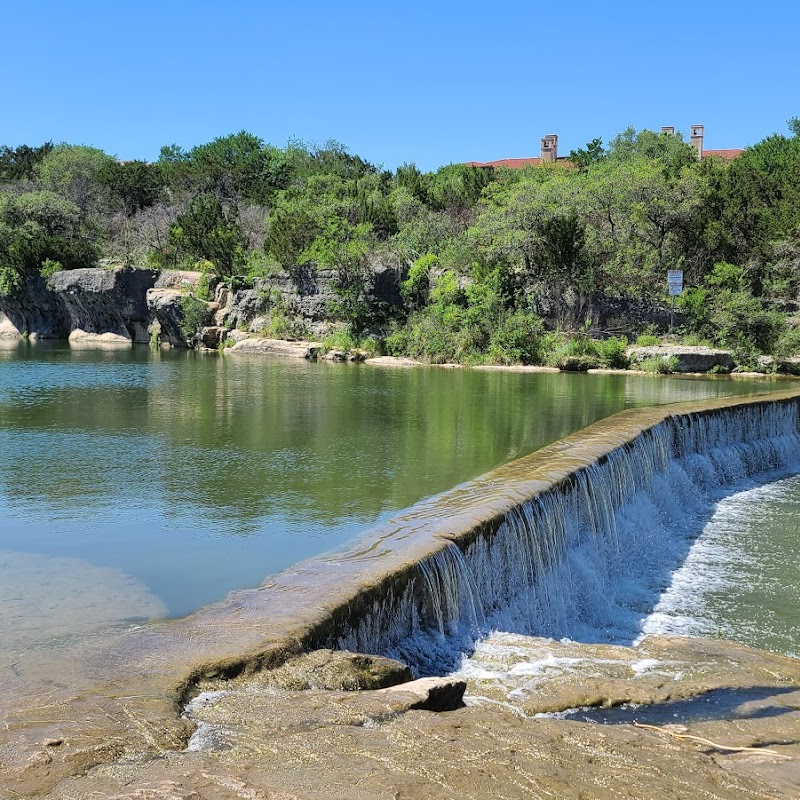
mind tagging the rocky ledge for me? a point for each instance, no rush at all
(683, 358)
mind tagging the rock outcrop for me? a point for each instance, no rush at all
(277, 347)
(103, 301)
(687, 358)
(95, 302)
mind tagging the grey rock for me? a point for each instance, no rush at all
(428, 694)
(238, 336)
(105, 301)
(179, 279)
(211, 336)
(82, 339)
(277, 347)
(689, 358)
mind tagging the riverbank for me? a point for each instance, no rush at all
(113, 703)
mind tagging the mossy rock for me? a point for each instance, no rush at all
(577, 363)
(334, 669)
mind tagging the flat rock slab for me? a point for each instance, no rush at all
(689, 358)
(79, 338)
(271, 744)
(277, 347)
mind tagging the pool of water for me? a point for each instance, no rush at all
(740, 579)
(138, 484)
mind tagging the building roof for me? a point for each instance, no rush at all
(728, 155)
(519, 163)
(510, 163)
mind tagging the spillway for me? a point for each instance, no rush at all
(587, 557)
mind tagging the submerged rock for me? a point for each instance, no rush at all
(334, 669)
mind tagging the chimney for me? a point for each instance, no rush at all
(696, 139)
(549, 147)
(668, 129)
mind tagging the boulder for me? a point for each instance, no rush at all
(8, 330)
(167, 316)
(428, 694)
(179, 279)
(103, 301)
(237, 336)
(211, 336)
(79, 338)
(277, 347)
(688, 358)
(336, 355)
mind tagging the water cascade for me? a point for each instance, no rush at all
(587, 557)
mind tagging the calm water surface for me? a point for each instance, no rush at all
(140, 483)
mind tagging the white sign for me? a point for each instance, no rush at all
(675, 281)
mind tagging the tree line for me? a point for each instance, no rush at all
(492, 260)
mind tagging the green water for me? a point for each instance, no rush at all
(141, 483)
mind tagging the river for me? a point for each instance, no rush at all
(141, 484)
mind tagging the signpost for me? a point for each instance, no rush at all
(675, 287)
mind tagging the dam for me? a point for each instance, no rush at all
(574, 545)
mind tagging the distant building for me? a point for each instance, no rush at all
(549, 154)
(549, 151)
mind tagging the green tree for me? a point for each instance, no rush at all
(40, 227)
(345, 249)
(209, 231)
(135, 185)
(20, 163)
(583, 157)
(73, 171)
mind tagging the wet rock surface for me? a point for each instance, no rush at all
(259, 741)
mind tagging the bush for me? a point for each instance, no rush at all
(788, 343)
(577, 363)
(612, 353)
(663, 365)
(517, 339)
(194, 316)
(49, 268)
(646, 340)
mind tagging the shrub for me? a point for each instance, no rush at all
(194, 312)
(517, 339)
(663, 365)
(49, 268)
(788, 343)
(612, 352)
(646, 340)
(576, 363)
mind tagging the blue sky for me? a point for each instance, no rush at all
(429, 83)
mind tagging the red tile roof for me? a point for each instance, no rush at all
(510, 163)
(519, 163)
(728, 155)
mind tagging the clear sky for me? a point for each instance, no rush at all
(424, 82)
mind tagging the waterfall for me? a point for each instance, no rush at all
(588, 557)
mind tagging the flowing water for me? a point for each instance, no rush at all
(140, 484)
(594, 559)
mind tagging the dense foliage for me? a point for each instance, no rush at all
(494, 263)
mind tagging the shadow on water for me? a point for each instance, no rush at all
(756, 702)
